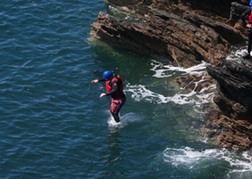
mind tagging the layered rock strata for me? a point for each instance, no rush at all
(170, 29)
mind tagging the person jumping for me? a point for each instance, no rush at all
(114, 88)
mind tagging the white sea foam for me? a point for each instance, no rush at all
(162, 71)
(188, 157)
(141, 92)
(237, 53)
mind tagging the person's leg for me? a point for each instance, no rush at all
(247, 56)
(250, 41)
(116, 117)
(115, 108)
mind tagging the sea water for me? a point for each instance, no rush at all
(54, 125)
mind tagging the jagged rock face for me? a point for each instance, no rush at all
(232, 125)
(229, 133)
(235, 81)
(169, 29)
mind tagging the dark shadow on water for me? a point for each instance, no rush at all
(114, 157)
(114, 148)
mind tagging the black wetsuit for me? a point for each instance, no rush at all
(114, 88)
(245, 20)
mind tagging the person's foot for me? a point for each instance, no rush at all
(116, 117)
(247, 56)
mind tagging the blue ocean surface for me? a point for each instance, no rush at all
(54, 125)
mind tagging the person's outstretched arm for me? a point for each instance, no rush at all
(97, 80)
(245, 15)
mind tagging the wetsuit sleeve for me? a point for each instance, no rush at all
(101, 80)
(245, 15)
(115, 88)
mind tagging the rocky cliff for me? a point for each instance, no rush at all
(188, 32)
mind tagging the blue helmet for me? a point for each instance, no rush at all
(107, 75)
(250, 4)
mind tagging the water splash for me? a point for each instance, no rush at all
(125, 120)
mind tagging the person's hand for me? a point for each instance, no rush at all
(102, 94)
(249, 25)
(95, 81)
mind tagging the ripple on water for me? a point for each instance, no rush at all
(51, 125)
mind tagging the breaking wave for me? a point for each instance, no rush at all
(237, 166)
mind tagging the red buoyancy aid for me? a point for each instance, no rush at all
(115, 78)
(250, 18)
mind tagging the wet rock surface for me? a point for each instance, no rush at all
(187, 32)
